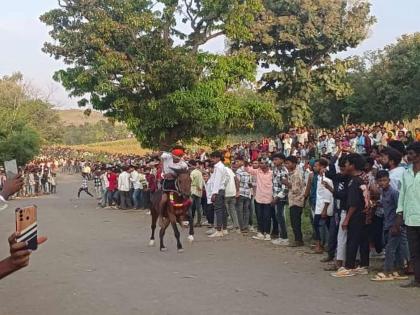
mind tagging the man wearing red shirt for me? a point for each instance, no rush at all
(113, 185)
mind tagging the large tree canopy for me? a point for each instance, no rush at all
(386, 85)
(295, 41)
(139, 61)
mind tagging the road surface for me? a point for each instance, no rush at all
(97, 262)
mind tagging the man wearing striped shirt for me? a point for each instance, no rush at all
(243, 194)
(280, 196)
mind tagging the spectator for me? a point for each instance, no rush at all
(408, 210)
(197, 186)
(263, 199)
(296, 196)
(243, 195)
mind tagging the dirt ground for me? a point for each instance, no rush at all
(97, 261)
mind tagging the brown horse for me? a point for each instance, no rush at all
(174, 209)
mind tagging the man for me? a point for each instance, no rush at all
(263, 199)
(337, 236)
(280, 196)
(243, 195)
(408, 210)
(230, 198)
(390, 160)
(124, 189)
(112, 185)
(323, 204)
(360, 142)
(197, 185)
(105, 186)
(19, 254)
(218, 180)
(296, 196)
(355, 221)
(137, 186)
(172, 162)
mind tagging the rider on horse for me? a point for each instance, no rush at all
(172, 163)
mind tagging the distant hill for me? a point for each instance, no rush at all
(77, 117)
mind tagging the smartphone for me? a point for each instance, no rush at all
(11, 168)
(27, 227)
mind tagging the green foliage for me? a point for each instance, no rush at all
(295, 40)
(17, 104)
(139, 66)
(385, 85)
(21, 143)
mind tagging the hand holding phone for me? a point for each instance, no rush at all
(12, 186)
(27, 226)
(11, 168)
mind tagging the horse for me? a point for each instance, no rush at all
(175, 209)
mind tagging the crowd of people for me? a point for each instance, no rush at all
(358, 182)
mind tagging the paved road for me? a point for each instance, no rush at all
(97, 262)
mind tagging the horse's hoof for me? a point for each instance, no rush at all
(190, 238)
(180, 251)
(163, 249)
(152, 243)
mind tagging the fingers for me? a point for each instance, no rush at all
(21, 253)
(42, 240)
(18, 246)
(12, 238)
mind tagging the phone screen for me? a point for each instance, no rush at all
(11, 168)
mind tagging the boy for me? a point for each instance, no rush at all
(356, 219)
(84, 186)
(324, 203)
(395, 247)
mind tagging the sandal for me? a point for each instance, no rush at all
(397, 276)
(343, 273)
(382, 277)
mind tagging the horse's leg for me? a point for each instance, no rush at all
(165, 224)
(191, 224)
(173, 220)
(154, 220)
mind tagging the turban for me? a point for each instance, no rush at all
(178, 152)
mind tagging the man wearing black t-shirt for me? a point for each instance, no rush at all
(355, 221)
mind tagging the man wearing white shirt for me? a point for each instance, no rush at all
(137, 186)
(105, 186)
(390, 160)
(324, 202)
(230, 198)
(124, 188)
(218, 179)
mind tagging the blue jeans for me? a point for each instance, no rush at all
(396, 251)
(104, 197)
(264, 217)
(137, 198)
(281, 219)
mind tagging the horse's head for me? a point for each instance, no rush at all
(184, 183)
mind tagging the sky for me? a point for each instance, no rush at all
(22, 36)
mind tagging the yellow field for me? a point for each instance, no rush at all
(128, 146)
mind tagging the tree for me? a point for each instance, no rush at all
(385, 86)
(140, 66)
(22, 144)
(295, 41)
(17, 104)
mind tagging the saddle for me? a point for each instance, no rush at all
(179, 204)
